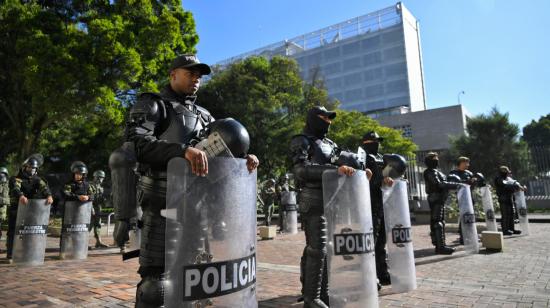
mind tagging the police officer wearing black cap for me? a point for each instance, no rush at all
(163, 126)
(311, 154)
(506, 186)
(375, 162)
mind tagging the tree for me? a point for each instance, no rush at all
(349, 127)
(537, 133)
(69, 65)
(271, 100)
(491, 141)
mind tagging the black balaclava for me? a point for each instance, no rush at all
(315, 125)
(432, 163)
(372, 147)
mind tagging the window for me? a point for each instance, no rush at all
(406, 130)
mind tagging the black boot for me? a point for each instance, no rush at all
(313, 279)
(441, 248)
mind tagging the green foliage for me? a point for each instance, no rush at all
(349, 127)
(270, 99)
(492, 141)
(537, 133)
(70, 69)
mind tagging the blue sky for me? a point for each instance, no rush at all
(496, 51)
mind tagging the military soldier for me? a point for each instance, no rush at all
(99, 200)
(268, 196)
(4, 196)
(24, 186)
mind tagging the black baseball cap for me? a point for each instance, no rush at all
(190, 61)
(372, 135)
(323, 111)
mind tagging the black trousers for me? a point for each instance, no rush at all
(12, 220)
(379, 228)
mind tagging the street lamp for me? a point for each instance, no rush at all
(458, 96)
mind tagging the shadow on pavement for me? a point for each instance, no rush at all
(282, 301)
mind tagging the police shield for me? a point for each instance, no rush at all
(399, 237)
(211, 235)
(350, 249)
(75, 230)
(30, 232)
(521, 207)
(467, 219)
(288, 202)
(487, 201)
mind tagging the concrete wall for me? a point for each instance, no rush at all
(430, 129)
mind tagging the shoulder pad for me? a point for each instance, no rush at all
(300, 141)
(205, 114)
(148, 105)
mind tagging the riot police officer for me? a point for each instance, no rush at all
(78, 188)
(24, 186)
(311, 154)
(163, 126)
(99, 200)
(465, 176)
(505, 187)
(4, 196)
(375, 163)
(437, 188)
(268, 197)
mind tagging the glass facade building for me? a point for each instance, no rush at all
(371, 63)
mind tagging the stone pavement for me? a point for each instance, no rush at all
(518, 277)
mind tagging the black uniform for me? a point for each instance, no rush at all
(311, 155)
(466, 177)
(161, 127)
(437, 188)
(375, 163)
(505, 188)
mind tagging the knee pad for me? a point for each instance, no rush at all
(150, 292)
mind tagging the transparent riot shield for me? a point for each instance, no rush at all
(350, 249)
(134, 234)
(467, 219)
(288, 202)
(75, 230)
(29, 244)
(521, 206)
(211, 235)
(399, 237)
(487, 201)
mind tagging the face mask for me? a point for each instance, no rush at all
(432, 163)
(3, 178)
(371, 148)
(317, 126)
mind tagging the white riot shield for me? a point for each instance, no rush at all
(398, 229)
(350, 249)
(75, 230)
(29, 244)
(487, 201)
(521, 206)
(467, 219)
(288, 202)
(211, 235)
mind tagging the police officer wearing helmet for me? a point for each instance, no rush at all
(24, 186)
(98, 203)
(163, 126)
(311, 154)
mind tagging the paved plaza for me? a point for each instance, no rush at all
(517, 277)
